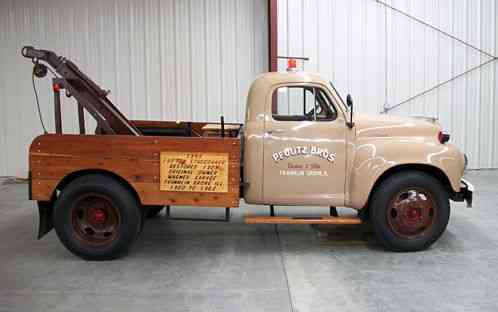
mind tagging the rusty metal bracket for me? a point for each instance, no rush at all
(85, 91)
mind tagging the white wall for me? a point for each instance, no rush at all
(167, 59)
(346, 42)
(164, 60)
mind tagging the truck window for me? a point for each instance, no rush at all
(301, 104)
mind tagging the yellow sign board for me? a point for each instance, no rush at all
(194, 172)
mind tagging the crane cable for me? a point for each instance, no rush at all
(38, 102)
(40, 71)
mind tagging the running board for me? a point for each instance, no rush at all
(298, 220)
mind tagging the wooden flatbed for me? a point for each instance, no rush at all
(163, 170)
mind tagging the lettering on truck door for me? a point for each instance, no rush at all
(304, 148)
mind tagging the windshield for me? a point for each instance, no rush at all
(340, 97)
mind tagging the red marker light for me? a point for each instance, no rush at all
(443, 137)
(56, 87)
(291, 65)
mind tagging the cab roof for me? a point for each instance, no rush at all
(275, 78)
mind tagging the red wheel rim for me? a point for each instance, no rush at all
(411, 213)
(95, 220)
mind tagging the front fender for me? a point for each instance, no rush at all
(372, 157)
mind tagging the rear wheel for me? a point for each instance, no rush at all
(97, 218)
(409, 211)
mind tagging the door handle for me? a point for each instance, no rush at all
(274, 131)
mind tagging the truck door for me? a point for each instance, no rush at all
(304, 148)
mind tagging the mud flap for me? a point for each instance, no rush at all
(45, 224)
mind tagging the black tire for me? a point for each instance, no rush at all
(118, 200)
(153, 211)
(387, 199)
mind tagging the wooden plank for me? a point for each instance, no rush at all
(129, 146)
(135, 159)
(292, 220)
(151, 195)
(43, 190)
(131, 169)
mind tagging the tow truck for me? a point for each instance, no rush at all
(301, 144)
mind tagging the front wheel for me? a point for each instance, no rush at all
(409, 211)
(97, 218)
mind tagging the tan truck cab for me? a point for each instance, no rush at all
(304, 146)
(294, 156)
(300, 145)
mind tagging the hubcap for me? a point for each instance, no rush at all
(95, 220)
(411, 213)
(98, 216)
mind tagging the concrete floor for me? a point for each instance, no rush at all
(186, 266)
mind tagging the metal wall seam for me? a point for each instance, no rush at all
(3, 87)
(495, 88)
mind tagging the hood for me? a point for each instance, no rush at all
(383, 125)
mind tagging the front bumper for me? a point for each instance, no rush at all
(466, 193)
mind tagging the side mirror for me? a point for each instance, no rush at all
(349, 103)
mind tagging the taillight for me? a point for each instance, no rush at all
(443, 137)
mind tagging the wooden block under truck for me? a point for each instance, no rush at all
(300, 144)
